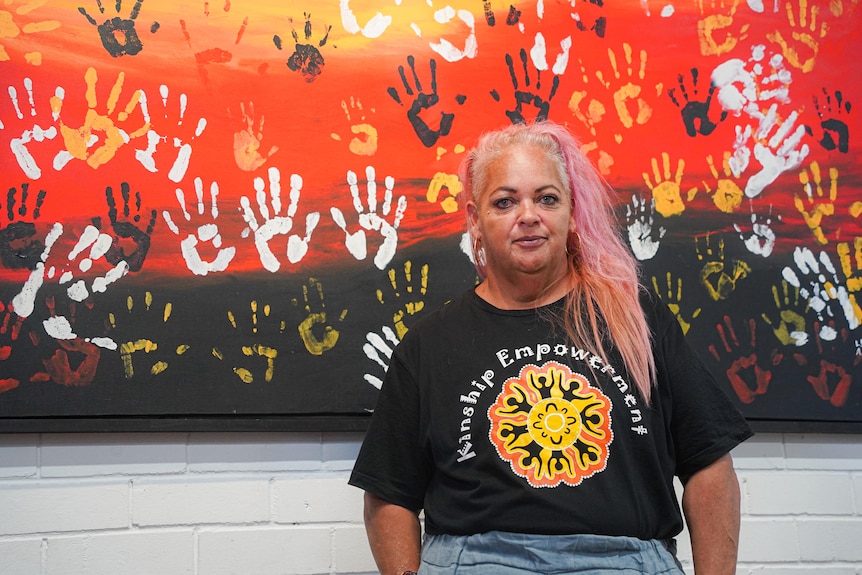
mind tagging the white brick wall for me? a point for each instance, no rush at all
(278, 504)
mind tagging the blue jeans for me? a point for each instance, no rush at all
(499, 553)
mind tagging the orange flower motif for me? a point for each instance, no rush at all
(551, 426)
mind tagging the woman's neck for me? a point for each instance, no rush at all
(526, 293)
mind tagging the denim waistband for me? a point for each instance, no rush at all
(500, 553)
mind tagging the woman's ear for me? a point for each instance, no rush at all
(473, 218)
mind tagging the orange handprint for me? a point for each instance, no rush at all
(78, 141)
(246, 143)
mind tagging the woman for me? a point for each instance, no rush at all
(540, 419)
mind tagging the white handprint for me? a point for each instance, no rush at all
(205, 233)
(821, 291)
(761, 240)
(738, 162)
(98, 244)
(59, 328)
(356, 242)
(91, 239)
(379, 350)
(24, 302)
(36, 133)
(642, 238)
(181, 163)
(742, 85)
(274, 224)
(787, 154)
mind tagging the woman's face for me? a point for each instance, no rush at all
(523, 216)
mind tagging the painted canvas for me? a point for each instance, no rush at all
(236, 209)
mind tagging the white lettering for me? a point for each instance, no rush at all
(466, 452)
(542, 349)
(580, 354)
(523, 352)
(486, 377)
(621, 383)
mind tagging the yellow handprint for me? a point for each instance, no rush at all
(724, 285)
(666, 191)
(130, 348)
(810, 38)
(728, 195)
(450, 182)
(812, 204)
(410, 307)
(595, 110)
(709, 26)
(314, 344)
(630, 90)
(791, 326)
(673, 300)
(268, 353)
(851, 264)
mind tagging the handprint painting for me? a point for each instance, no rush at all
(236, 209)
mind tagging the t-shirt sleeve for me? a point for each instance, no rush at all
(392, 463)
(704, 422)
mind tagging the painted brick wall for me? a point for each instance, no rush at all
(278, 504)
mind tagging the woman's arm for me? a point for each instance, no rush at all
(394, 535)
(710, 501)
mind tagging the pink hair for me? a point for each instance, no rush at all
(606, 287)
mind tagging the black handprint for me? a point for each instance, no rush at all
(422, 102)
(695, 114)
(834, 125)
(522, 97)
(306, 58)
(126, 230)
(599, 26)
(118, 35)
(512, 18)
(19, 246)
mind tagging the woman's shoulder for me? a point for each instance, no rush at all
(446, 316)
(659, 317)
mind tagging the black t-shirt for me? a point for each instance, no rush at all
(490, 421)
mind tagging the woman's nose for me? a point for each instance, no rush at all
(528, 213)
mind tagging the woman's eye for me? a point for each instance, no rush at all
(503, 203)
(549, 200)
